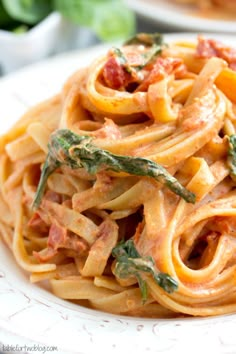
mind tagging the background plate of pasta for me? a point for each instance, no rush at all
(118, 199)
(189, 15)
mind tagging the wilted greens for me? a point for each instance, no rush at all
(232, 156)
(109, 19)
(129, 263)
(153, 43)
(75, 151)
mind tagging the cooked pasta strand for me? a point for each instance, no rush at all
(117, 239)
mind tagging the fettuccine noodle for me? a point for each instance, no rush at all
(178, 110)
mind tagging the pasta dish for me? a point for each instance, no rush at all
(119, 191)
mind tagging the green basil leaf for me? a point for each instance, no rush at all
(113, 21)
(129, 263)
(76, 11)
(109, 19)
(232, 156)
(5, 19)
(20, 29)
(27, 11)
(146, 39)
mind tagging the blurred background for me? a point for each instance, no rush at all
(32, 30)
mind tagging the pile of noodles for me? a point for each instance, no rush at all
(179, 111)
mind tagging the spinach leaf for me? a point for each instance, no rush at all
(113, 21)
(28, 11)
(129, 263)
(76, 11)
(110, 19)
(5, 19)
(232, 156)
(154, 43)
(67, 148)
(146, 39)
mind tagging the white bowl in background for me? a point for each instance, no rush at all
(18, 50)
(52, 35)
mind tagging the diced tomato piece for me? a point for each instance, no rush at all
(37, 223)
(57, 236)
(53, 197)
(207, 48)
(45, 255)
(161, 68)
(73, 242)
(113, 74)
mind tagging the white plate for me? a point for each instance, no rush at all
(172, 16)
(32, 319)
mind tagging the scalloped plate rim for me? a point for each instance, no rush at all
(175, 17)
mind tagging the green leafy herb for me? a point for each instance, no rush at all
(20, 29)
(120, 56)
(146, 39)
(27, 11)
(5, 19)
(123, 61)
(110, 19)
(130, 263)
(153, 41)
(76, 11)
(232, 156)
(113, 20)
(75, 151)
(150, 56)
